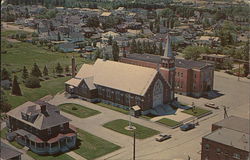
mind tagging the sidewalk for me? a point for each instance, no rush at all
(75, 155)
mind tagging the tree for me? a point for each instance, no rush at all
(5, 75)
(5, 106)
(67, 69)
(161, 49)
(193, 52)
(97, 53)
(45, 71)
(32, 82)
(25, 74)
(110, 40)
(15, 87)
(36, 72)
(59, 68)
(93, 21)
(115, 51)
(151, 26)
(133, 47)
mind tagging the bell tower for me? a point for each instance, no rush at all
(168, 63)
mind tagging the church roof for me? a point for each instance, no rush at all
(168, 50)
(120, 76)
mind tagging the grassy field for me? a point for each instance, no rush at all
(197, 112)
(51, 87)
(78, 110)
(28, 54)
(92, 147)
(56, 157)
(141, 131)
(113, 108)
(168, 122)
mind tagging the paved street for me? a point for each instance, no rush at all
(235, 95)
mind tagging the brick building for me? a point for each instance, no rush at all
(229, 140)
(40, 127)
(124, 85)
(192, 78)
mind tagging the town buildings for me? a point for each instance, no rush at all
(192, 78)
(124, 85)
(229, 140)
(40, 127)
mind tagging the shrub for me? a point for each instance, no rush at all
(32, 82)
(74, 108)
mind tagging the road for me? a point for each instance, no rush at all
(234, 94)
(8, 26)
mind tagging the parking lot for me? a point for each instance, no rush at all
(233, 94)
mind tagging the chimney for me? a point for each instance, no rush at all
(73, 61)
(43, 109)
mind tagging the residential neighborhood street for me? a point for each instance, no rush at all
(182, 144)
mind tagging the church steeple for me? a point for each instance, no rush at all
(168, 50)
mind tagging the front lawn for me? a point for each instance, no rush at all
(168, 122)
(113, 108)
(141, 132)
(63, 156)
(78, 110)
(51, 87)
(196, 112)
(92, 146)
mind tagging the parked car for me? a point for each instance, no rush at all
(187, 126)
(211, 105)
(162, 137)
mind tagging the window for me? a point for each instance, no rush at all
(49, 131)
(61, 127)
(181, 74)
(194, 75)
(178, 74)
(127, 98)
(236, 156)
(218, 150)
(207, 146)
(100, 91)
(117, 95)
(137, 100)
(108, 93)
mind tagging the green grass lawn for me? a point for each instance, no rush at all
(168, 122)
(80, 111)
(56, 157)
(141, 131)
(197, 112)
(52, 87)
(14, 143)
(92, 147)
(113, 108)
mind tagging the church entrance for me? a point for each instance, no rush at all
(158, 94)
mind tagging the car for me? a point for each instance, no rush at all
(187, 126)
(211, 105)
(162, 137)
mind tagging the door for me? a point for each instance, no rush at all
(158, 94)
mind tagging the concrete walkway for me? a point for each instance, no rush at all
(94, 124)
(75, 155)
(178, 116)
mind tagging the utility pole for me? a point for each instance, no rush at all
(130, 126)
(134, 147)
(239, 72)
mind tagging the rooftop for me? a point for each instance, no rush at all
(182, 63)
(121, 76)
(36, 117)
(235, 123)
(8, 152)
(231, 138)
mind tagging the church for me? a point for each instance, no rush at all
(125, 85)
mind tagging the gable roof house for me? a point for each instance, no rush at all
(9, 153)
(40, 126)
